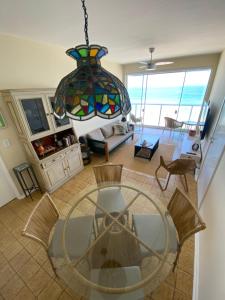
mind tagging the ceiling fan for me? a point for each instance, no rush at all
(150, 65)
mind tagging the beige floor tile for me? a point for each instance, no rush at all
(6, 273)
(186, 261)
(51, 292)
(28, 270)
(48, 268)
(25, 294)
(12, 288)
(41, 256)
(163, 292)
(33, 247)
(3, 261)
(18, 261)
(180, 296)
(65, 296)
(38, 281)
(12, 250)
(184, 282)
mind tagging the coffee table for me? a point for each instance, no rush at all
(148, 149)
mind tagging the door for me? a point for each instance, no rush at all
(56, 173)
(213, 155)
(59, 124)
(36, 115)
(74, 160)
(7, 192)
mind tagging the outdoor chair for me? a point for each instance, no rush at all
(180, 166)
(186, 222)
(44, 217)
(111, 199)
(136, 120)
(171, 124)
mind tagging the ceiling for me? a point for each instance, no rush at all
(126, 27)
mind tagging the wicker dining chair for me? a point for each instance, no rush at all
(110, 199)
(40, 224)
(180, 166)
(186, 222)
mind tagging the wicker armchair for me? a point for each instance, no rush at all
(41, 222)
(180, 166)
(186, 222)
(171, 124)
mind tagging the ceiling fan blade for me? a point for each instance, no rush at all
(162, 63)
(143, 62)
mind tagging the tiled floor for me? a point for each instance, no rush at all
(25, 272)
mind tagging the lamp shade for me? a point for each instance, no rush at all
(90, 90)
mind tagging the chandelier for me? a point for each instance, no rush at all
(90, 90)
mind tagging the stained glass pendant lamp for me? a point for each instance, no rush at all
(90, 90)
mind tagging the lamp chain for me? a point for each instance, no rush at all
(85, 22)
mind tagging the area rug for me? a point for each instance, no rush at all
(124, 154)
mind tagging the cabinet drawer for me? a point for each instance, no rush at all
(48, 163)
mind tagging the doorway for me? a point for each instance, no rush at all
(7, 188)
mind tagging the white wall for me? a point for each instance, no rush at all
(28, 64)
(211, 275)
(212, 240)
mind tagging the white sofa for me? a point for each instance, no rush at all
(103, 140)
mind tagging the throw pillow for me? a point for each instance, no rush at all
(125, 125)
(119, 129)
(96, 135)
(107, 130)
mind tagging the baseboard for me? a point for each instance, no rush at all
(196, 269)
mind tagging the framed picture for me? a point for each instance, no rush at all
(2, 121)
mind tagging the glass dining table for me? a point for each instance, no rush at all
(123, 253)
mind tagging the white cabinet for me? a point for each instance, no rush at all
(34, 111)
(50, 143)
(74, 160)
(60, 168)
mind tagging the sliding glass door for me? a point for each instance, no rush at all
(178, 95)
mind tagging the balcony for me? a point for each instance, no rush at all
(153, 114)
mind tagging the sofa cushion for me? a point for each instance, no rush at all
(107, 130)
(115, 140)
(96, 135)
(119, 129)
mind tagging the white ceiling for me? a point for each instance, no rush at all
(126, 27)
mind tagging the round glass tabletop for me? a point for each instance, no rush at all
(117, 241)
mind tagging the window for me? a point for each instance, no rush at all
(178, 95)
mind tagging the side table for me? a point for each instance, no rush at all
(19, 172)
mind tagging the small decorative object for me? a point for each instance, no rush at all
(90, 90)
(144, 143)
(2, 121)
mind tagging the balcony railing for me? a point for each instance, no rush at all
(153, 114)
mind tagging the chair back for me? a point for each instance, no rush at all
(108, 173)
(181, 166)
(185, 216)
(172, 123)
(41, 221)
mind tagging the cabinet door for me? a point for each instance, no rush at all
(36, 116)
(56, 173)
(59, 124)
(74, 160)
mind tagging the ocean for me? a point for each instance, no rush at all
(191, 95)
